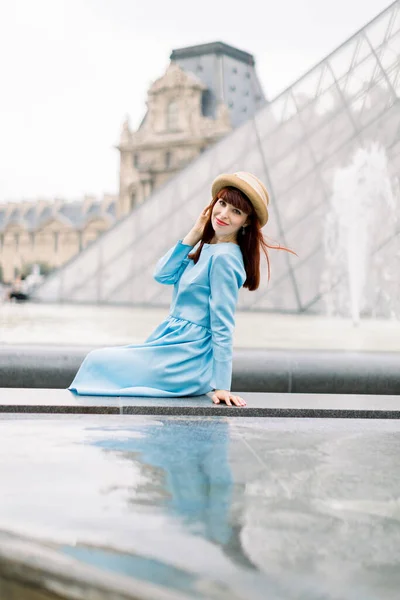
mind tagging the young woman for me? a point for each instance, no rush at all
(190, 353)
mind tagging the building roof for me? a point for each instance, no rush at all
(213, 48)
(229, 75)
(72, 214)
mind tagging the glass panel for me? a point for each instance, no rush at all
(309, 276)
(371, 104)
(282, 140)
(394, 164)
(311, 84)
(337, 160)
(360, 77)
(253, 162)
(284, 107)
(394, 77)
(386, 130)
(301, 200)
(78, 272)
(280, 298)
(322, 109)
(378, 31)
(341, 61)
(384, 283)
(291, 168)
(327, 139)
(227, 151)
(272, 230)
(306, 236)
(265, 120)
(395, 20)
(389, 53)
(363, 49)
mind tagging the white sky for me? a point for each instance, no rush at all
(72, 69)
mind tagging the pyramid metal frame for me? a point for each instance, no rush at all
(295, 144)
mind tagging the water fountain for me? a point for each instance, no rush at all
(362, 212)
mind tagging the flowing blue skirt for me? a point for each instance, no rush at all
(176, 360)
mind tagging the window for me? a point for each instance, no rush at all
(234, 70)
(206, 103)
(232, 88)
(136, 160)
(168, 160)
(132, 200)
(172, 116)
(199, 68)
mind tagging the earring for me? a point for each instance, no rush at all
(243, 230)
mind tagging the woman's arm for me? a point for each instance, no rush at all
(171, 266)
(226, 277)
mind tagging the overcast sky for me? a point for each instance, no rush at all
(72, 69)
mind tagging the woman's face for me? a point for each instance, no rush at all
(227, 220)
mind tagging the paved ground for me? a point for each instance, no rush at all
(214, 507)
(107, 325)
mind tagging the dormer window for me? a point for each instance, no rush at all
(172, 116)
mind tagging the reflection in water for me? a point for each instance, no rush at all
(187, 473)
(166, 499)
(139, 567)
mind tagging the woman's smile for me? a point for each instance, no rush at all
(221, 223)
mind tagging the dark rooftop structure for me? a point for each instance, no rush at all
(230, 77)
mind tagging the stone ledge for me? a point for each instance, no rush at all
(294, 371)
(258, 405)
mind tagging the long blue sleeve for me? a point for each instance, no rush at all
(226, 277)
(171, 266)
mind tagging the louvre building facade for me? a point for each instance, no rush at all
(205, 92)
(341, 116)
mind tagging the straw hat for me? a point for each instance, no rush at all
(251, 186)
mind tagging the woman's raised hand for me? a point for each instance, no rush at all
(201, 220)
(195, 234)
(228, 398)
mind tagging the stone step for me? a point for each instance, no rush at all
(54, 401)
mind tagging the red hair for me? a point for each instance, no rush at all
(250, 242)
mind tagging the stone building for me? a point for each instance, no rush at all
(206, 91)
(49, 233)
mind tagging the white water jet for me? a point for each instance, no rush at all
(362, 193)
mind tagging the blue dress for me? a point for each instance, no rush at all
(190, 352)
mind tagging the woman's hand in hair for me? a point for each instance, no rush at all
(202, 219)
(196, 233)
(227, 397)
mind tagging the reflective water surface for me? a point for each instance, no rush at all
(248, 508)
